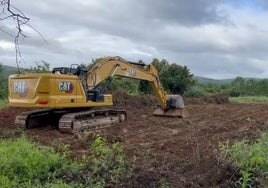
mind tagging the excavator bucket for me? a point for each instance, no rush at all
(175, 108)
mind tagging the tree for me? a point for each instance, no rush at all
(40, 67)
(161, 66)
(3, 83)
(263, 87)
(145, 88)
(10, 12)
(177, 79)
(249, 87)
(174, 78)
(238, 86)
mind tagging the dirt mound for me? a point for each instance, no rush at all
(8, 115)
(122, 99)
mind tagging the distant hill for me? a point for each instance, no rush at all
(9, 70)
(204, 80)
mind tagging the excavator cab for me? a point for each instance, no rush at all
(95, 95)
(74, 69)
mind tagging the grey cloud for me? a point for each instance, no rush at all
(222, 66)
(191, 12)
(192, 33)
(7, 32)
(127, 18)
(262, 3)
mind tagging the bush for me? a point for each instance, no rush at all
(108, 165)
(195, 91)
(3, 103)
(23, 164)
(27, 161)
(234, 93)
(3, 84)
(250, 158)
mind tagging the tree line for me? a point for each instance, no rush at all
(238, 87)
(3, 84)
(176, 79)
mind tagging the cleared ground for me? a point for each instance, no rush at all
(178, 151)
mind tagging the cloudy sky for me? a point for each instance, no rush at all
(214, 38)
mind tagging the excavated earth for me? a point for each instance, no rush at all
(180, 152)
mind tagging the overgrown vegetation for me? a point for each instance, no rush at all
(108, 165)
(249, 87)
(239, 87)
(22, 164)
(250, 158)
(3, 103)
(25, 164)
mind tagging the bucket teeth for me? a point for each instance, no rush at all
(176, 112)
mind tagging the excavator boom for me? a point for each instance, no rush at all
(117, 66)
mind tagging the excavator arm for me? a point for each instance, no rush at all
(106, 69)
(116, 66)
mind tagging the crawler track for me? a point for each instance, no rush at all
(90, 120)
(70, 122)
(34, 118)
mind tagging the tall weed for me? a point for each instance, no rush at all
(250, 158)
(23, 163)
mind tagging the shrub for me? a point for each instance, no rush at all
(107, 165)
(250, 158)
(23, 163)
(234, 93)
(3, 104)
(195, 91)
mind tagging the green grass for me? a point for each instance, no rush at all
(250, 99)
(3, 103)
(24, 164)
(250, 158)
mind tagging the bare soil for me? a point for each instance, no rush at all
(181, 152)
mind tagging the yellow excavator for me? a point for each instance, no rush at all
(71, 99)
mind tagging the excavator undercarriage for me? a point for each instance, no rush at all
(69, 121)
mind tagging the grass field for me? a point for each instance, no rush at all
(249, 99)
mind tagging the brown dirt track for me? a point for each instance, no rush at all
(180, 151)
